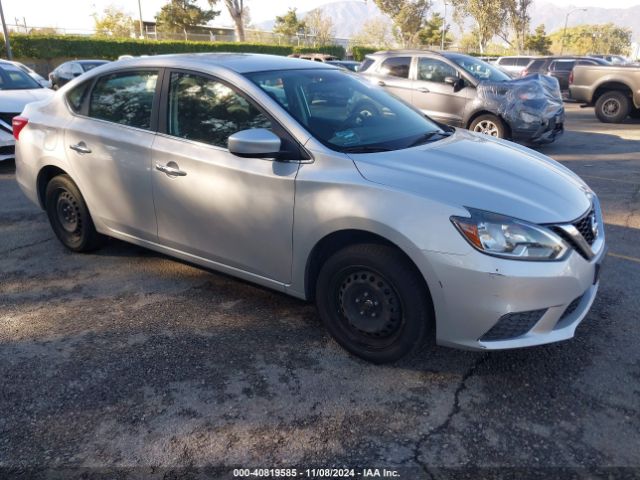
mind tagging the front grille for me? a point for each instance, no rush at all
(584, 225)
(7, 150)
(513, 325)
(6, 118)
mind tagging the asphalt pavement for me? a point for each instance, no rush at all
(125, 362)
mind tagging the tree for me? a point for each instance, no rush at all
(408, 18)
(604, 38)
(319, 27)
(518, 21)
(237, 11)
(489, 16)
(178, 16)
(289, 24)
(431, 33)
(114, 22)
(375, 33)
(539, 42)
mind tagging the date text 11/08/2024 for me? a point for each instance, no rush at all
(316, 473)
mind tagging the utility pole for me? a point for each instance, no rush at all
(7, 44)
(444, 26)
(566, 20)
(140, 19)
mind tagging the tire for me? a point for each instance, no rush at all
(69, 216)
(379, 281)
(612, 107)
(488, 124)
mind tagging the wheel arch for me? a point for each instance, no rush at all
(45, 175)
(609, 86)
(339, 239)
(481, 112)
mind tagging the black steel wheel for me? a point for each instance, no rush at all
(374, 302)
(69, 216)
(613, 107)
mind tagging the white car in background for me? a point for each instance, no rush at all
(33, 74)
(16, 90)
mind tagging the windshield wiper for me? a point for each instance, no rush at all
(365, 149)
(428, 136)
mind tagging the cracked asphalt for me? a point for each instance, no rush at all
(126, 358)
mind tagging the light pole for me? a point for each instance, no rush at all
(566, 20)
(140, 18)
(444, 26)
(7, 44)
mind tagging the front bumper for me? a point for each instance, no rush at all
(7, 146)
(477, 291)
(547, 131)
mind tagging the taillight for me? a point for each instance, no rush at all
(571, 77)
(18, 123)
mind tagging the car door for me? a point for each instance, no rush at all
(237, 212)
(393, 75)
(108, 143)
(560, 69)
(434, 96)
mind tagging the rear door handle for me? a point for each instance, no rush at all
(80, 147)
(171, 171)
(423, 90)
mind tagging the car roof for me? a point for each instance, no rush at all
(237, 62)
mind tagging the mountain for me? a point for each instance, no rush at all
(348, 16)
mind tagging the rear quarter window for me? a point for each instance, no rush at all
(76, 96)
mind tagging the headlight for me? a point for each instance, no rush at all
(529, 118)
(508, 237)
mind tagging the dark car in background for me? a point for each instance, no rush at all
(464, 91)
(559, 67)
(67, 71)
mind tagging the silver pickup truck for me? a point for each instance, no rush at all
(613, 91)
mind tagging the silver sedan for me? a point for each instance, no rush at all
(301, 177)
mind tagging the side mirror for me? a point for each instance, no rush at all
(456, 82)
(254, 143)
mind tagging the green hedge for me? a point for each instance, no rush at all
(60, 46)
(360, 52)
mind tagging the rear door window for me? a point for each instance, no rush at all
(562, 65)
(507, 62)
(523, 62)
(125, 98)
(396, 67)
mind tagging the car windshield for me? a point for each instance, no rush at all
(12, 78)
(347, 113)
(86, 66)
(480, 70)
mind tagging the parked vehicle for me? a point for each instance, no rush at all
(513, 65)
(33, 74)
(612, 59)
(401, 224)
(316, 57)
(463, 91)
(346, 64)
(559, 67)
(16, 90)
(70, 70)
(613, 91)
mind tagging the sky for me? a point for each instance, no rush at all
(77, 14)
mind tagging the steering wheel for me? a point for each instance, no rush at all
(363, 112)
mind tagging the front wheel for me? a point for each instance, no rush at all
(612, 107)
(374, 302)
(489, 125)
(69, 216)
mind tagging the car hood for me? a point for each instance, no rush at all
(13, 101)
(473, 170)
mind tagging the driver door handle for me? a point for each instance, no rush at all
(80, 147)
(423, 90)
(172, 171)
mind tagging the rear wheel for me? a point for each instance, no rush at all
(69, 216)
(374, 302)
(489, 125)
(612, 107)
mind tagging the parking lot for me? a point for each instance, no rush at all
(126, 358)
